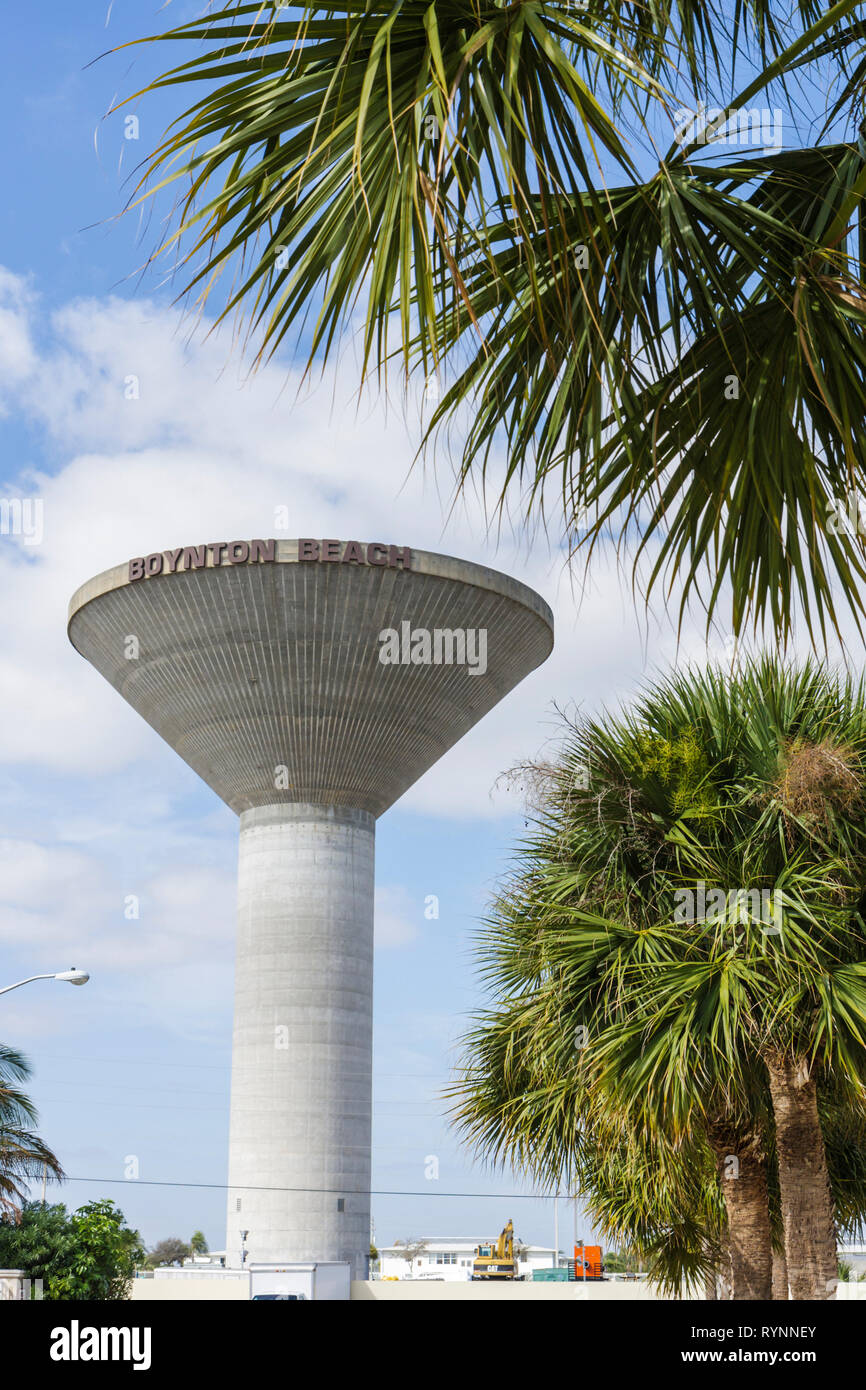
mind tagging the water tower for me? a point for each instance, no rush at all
(309, 683)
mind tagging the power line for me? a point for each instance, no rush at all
(140, 1062)
(223, 1066)
(337, 1191)
(220, 1109)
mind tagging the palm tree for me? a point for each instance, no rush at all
(788, 990)
(721, 1028)
(23, 1155)
(526, 1097)
(670, 336)
(788, 750)
(529, 1094)
(198, 1243)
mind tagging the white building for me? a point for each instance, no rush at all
(854, 1255)
(214, 1259)
(451, 1258)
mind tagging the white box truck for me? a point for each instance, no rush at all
(326, 1279)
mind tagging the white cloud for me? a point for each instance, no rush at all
(205, 452)
(395, 917)
(32, 874)
(152, 942)
(201, 453)
(17, 354)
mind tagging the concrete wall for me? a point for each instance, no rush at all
(420, 1290)
(301, 1107)
(417, 1291)
(11, 1282)
(206, 1287)
(406, 1291)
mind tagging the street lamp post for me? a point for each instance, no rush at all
(72, 977)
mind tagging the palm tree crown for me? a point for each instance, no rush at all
(668, 332)
(688, 907)
(23, 1155)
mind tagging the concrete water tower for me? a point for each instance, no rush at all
(309, 683)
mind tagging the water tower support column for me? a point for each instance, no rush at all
(301, 1105)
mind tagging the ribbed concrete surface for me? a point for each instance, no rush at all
(299, 1147)
(250, 668)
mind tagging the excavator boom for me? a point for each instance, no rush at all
(499, 1263)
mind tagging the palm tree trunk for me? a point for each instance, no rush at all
(726, 1283)
(744, 1187)
(717, 1285)
(780, 1275)
(807, 1205)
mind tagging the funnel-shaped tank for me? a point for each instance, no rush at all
(309, 683)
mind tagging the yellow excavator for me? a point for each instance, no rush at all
(496, 1260)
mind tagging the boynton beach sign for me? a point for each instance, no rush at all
(216, 553)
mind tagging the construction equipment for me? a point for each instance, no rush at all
(496, 1260)
(587, 1262)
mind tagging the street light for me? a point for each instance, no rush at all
(73, 977)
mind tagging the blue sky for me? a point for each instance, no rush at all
(136, 1065)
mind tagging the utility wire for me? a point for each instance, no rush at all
(337, 1191)
(220, 1066)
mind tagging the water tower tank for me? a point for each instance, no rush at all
(309, 683)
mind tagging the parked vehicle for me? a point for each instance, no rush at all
(496, 1260)
(314, 1280)
(280, 1297)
